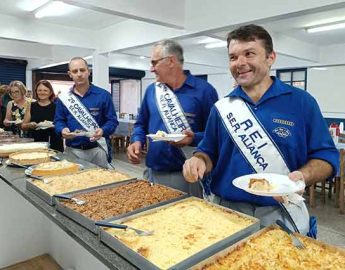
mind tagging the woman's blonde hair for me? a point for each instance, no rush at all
(18, 84)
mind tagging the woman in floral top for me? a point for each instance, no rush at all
(16, 108)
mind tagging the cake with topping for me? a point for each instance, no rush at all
(30, 157)
(55, 168)
(259, 184)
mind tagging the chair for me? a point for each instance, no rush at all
(339, 184)
(117, 142)
(326, 185)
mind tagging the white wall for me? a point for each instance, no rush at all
(222, 82)
(327, 86)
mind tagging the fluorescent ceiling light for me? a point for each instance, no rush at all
(29, 5)
(208, 40)
(319, 68)
(54, 8)
(53, 64)
(142, 57)
(216, 45)
(326, 27)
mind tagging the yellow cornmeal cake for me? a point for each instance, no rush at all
(160, 133)
(273, 250)
(55, 168)
(180, 231)
(31, 158)
(7, 149)
(81, 180)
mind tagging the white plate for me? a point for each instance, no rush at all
(167, 137)
(15, 122)
(281, 184)
(84, 133)
(45, 125)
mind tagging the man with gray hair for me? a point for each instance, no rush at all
(176, 103)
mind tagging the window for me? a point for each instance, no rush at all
(294, 77)
(12, 69)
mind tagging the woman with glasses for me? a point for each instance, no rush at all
(16, 108)
(42, 111)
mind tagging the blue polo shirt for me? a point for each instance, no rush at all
(100, 105)
(282, 106)
(196, 97)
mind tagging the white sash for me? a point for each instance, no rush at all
(82, 115)
(250, 137)
(170, 109)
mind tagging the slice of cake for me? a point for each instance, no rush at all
(55, 168)
(30, 158)
(160, 133)
(260, 184)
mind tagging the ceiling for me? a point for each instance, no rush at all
(123, 30)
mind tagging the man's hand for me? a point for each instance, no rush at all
(66, 133)
(186, 140)
(98, 134)
(294, 176)
(194, 169)
(33, 125)
(134, 152)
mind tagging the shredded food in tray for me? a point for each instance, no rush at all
(80, 180)
(118, 200)
(273, 250)
(180, 231)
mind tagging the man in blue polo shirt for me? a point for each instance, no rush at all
(86, 106)
(177, 103)
(262, 126)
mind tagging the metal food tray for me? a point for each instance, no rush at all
(50, 199)
(201, 265)
(89, 223)
(230, 248)
(144, 264)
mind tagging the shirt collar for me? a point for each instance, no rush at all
(190, 80)
(276, 89)
(88, 92)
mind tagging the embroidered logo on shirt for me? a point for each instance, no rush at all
(283, 122)
(282, 132)
(94, 111)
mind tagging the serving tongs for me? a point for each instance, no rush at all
(40, 178)
(19, 165)
(123, 227)
(66, 197)
(295, 241)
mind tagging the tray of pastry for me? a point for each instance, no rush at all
(183, 233)
(272, 248)
(115, 200)
(47, 187)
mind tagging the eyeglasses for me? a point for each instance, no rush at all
(155, 62)
(15, 92)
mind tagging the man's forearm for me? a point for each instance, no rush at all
(316, 170)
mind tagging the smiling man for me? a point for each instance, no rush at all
(262, 126)
(177, 102)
